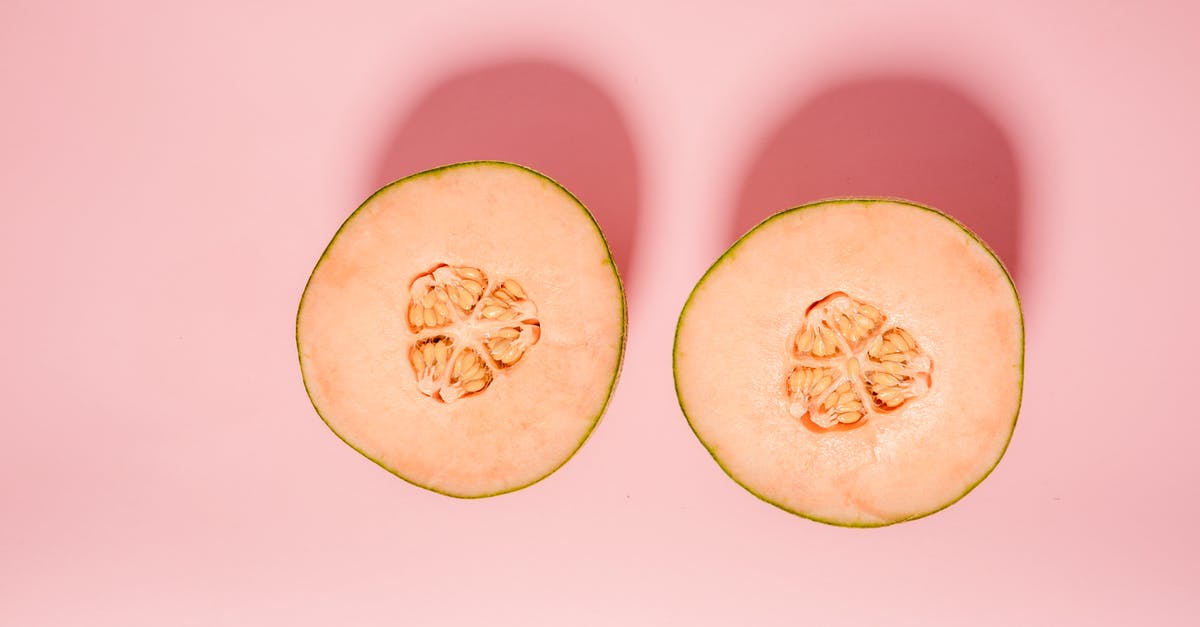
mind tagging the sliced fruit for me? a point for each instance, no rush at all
(465, 328)
(857, 362)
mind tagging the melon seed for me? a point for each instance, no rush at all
(466, 329)
(884, 363)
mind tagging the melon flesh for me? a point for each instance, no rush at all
(361, 353)
(736, 354)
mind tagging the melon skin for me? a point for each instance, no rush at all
(608, 346)
(694, 402)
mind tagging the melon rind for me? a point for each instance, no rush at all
(610, 386)
(732, 250)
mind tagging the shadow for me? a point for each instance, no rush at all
(897, 136)
(537, 114)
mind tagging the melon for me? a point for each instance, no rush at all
(465, 328)
(858, 362)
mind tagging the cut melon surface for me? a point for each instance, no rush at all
(858, 362)
(465, 328)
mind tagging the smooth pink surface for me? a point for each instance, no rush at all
(171, 174)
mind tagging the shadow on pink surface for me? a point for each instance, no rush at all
(896, 136)
(538, 114)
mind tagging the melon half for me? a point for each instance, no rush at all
(857, 362)
(465, 328)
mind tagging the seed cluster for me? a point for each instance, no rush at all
(436, 292)
(846, 353)
(466, 329)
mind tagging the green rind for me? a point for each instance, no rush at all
(620, 351)
(834, 201)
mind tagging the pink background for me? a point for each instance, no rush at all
(170, 175)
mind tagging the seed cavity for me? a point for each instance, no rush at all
(467, 327)
(850, 365)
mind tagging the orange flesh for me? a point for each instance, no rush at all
(735, 345)
(355, 339)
